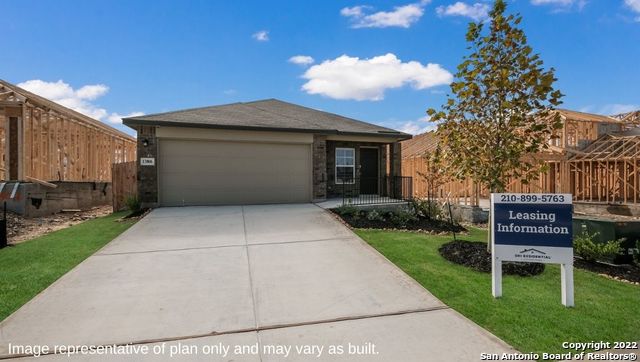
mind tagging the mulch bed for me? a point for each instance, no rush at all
(474, 254)
(627, 273)
(422, 224)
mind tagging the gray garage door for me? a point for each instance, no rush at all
(224, 173)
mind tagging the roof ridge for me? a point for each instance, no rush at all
(587, 113)
(279, 114)
(186, 110)
(325, 112)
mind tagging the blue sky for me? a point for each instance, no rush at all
(383, 62)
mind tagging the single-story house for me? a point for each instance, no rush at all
(266, 151)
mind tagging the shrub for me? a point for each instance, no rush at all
(374, 215)
(590, 250)
(428, 209)
(636, 253)
(403, 218)
(133, 203)
(346, 210)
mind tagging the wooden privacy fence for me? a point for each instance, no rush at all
(124, 183)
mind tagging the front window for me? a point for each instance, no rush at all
(345, 165)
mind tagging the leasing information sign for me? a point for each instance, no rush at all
(532, 228)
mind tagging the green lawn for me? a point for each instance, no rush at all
(29, 267)
(529, 316)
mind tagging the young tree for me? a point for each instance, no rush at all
(499, 114)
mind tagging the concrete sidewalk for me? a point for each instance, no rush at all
(274, 275)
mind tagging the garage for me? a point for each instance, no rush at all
(203, 172)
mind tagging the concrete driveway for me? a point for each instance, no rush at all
(251, 277)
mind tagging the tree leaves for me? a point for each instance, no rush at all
(498, 112)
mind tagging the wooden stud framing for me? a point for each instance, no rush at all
(58, 144)
(607, 171)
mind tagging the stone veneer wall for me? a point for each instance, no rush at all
(148, 175)
(396, 159)
(319, 167)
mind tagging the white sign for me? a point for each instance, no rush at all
(147, 161)
(532, 228)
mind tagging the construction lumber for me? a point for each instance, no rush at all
(56, 143)
(40, 182)
(606, 171)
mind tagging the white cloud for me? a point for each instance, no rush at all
(116, 118)
(355, 11)
(76, 99)
(616, 108)
(91, 92)
(634, 5)
(229, 92)
(367, 79)
(477, 11)
(420, 126)
(62, 90)
(610, 109)
(262, 35)
(560, 5)
(301, 60)
(553, 2)
(62, 93)
(401, 16)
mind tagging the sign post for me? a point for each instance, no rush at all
(532, 228)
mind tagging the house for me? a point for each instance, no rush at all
(44, 140)
(580, 129)
(54, 158)
(266, 151)
(594, 157)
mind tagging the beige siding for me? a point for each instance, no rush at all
(233, 135)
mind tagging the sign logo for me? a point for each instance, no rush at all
(532, 255)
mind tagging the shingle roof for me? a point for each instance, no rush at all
(269, 114)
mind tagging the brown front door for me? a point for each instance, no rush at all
(369, 171)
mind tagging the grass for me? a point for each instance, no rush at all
(29, 267)
(529, 316)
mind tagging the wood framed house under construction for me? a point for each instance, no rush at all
(49, 152)
(596, 158)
